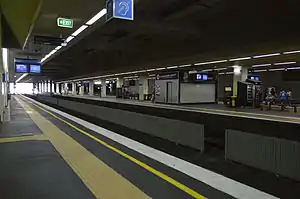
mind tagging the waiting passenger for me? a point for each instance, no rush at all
(283, 97)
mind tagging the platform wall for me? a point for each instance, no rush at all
(181, 132)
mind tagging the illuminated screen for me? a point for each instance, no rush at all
(202, 77)
(199, 77)
(21, 68)
(35, 68)
(255, 78)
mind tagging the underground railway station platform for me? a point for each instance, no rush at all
(124, 99)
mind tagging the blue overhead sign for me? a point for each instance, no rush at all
(122, 9)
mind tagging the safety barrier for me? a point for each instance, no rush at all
(275, 155)
(180, 132)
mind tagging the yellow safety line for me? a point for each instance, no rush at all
(141, 164)
(22, 138)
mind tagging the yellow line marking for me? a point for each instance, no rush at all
(22, 138)
(141, 164)
(98, 177)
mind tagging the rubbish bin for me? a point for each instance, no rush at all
(233, 101)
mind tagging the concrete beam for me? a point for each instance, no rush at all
(21, 16)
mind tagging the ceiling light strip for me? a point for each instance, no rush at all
(257, 71)
(266, 55)
(185, 65)
(211, 62)
(24, 75)
(261, 65)
(276, 69)
(79, 30)
(284, 63)
(172, 67)
(240, 59)
(291, 52)
(294, 68)
(97, 17)
(70, 38)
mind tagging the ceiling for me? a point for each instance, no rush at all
(173, 32)
(78, 10)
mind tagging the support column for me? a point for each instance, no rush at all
(103, 88)
(57, 88)
(73, 88)
(91, 88)
(47, 86)
(81, 89)
(240, 73)
(143, 87)
(38, 87)
(44, 87)
(65, 88)
(50, 84)
(120, 82)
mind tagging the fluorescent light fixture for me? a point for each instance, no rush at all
(276, 69)
(79, 30)
(261, 65)
(172, 67)
(240, 59)
(294, 68)
(257, 71)
(267, 55)
(58, 48)
(221, 73)
(131, 77)
(52, 52)
(229, 73)
(70, 38)
(20, 78)
(160, 69)
(141, 71)
(284, 63)
(207, 70)
(42, 60)
(153, 75)
(97, 17)
(149, 70)
(291, 52)
(221, 69)
(211, 62)
(185, 65)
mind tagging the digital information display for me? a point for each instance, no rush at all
(34, 68)
(202, 77)
(255, 78)
(21, 68)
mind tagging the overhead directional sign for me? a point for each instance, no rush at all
(122, 9)
(65, 23)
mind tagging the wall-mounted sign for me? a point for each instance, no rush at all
(64, 23)
(121, 9)
(167, 76)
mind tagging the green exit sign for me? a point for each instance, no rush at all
(65, 23)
